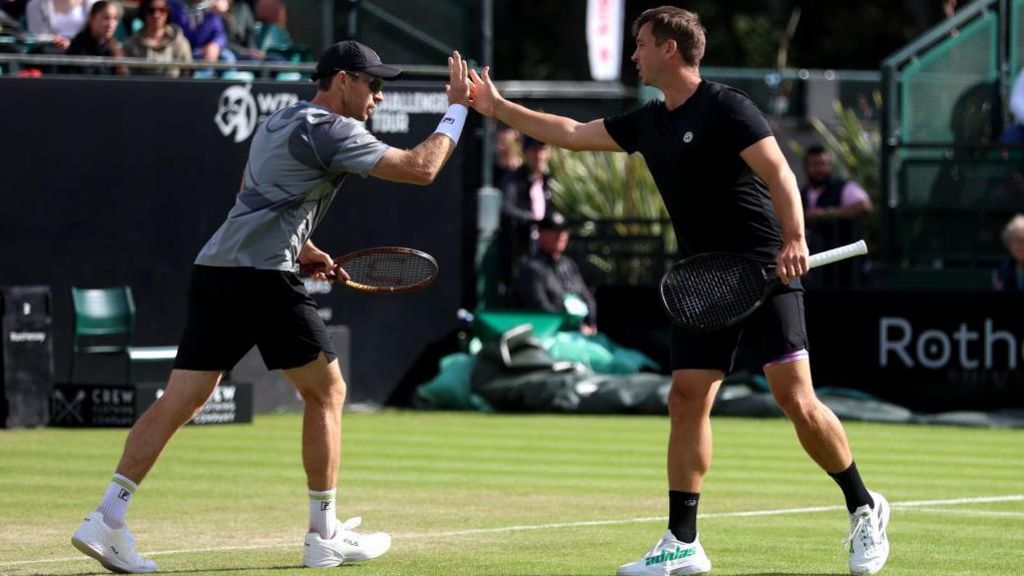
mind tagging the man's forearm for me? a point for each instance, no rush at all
(431, 155)
(549, 128)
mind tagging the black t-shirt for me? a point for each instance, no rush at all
(715, 200)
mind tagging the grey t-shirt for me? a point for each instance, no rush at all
(298, 159)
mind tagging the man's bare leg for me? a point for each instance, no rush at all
(820, 432)
(186, 393)
(328, 543)
(103, 534)
(323, 391)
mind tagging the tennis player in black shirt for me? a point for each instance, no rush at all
(728, 188)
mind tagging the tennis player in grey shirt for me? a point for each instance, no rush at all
(244, 292)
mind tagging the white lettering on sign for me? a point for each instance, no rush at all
(415, 102)
(986, 348)
(28, 336)
(390, 122)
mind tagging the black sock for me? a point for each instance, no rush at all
(682, 515)
(853, 488)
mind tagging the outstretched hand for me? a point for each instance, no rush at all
(483, 96)
(458, 87)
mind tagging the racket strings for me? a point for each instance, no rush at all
(712, 290)
(390, 269)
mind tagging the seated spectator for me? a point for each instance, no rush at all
(240, 27)
(551, 281)
(97, 39)
(1009, 277)
(57, 20)
(204, 30)
(1014, 133)
(158, 41)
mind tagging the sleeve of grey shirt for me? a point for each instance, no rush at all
(355, 150)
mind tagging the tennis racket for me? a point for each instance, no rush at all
(386, 270)
(716, 290)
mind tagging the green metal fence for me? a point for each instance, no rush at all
(948, 183)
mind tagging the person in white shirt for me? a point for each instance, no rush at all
(59, 20)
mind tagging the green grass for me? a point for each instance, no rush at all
(423, 476)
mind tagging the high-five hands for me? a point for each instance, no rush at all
(458, 87)
(483, 96)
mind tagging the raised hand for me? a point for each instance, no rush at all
(483, 96)
(458, 86)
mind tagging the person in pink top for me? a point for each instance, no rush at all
(835, 210)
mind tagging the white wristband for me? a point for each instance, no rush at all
(453, 121)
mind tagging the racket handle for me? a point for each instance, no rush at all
(858, 248)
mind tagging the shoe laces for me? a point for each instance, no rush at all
(862, 531)
(656, 549)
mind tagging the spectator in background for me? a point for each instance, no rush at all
(1009, 277)
(57, 20)
(97, 39)
(240, 26)
(551, 281)
(158, 41)
(507, 152)
(527, 198)
(271, 12)
(834, 210)
(1014, 133)
(204, 30)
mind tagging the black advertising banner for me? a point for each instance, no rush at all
(120, 405)
(933, 351)
(930, 351)
(120, 181)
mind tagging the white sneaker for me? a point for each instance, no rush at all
(669, 557)
(869, 544)
(114, 548)
(346, 546)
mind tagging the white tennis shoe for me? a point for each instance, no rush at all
(114, 548)
(346, 546)
(869, 543)
(669, 557)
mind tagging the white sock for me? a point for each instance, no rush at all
(322, 518)
(116, 499)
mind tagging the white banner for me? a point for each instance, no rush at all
(604, 38)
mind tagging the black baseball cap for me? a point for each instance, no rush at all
(354, 57)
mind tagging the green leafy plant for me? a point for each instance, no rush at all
(626, 234)
(854, 145)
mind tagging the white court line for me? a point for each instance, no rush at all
(962, 512)
(426, 535)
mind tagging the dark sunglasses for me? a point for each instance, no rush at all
(376, 84)
(156, 10)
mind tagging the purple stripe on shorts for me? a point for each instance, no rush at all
(793, 356)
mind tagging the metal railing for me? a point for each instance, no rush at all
(943, 100)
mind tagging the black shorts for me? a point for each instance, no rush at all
(232, 309)
(774, 330)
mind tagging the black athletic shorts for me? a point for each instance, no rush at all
(774, 330)
(232, 309)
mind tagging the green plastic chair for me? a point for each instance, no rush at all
(105, 325)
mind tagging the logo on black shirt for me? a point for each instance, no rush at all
(688, 137)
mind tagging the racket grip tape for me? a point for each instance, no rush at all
(858, 248)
